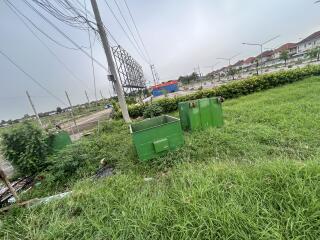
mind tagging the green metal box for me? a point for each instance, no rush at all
(201, 114)
(60, 140)
(156, 136)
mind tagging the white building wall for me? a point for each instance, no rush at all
(303, 47)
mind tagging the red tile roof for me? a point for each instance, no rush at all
(311, 37)
(240, 62)
(266, 54)
(249, 60)
(285, 47)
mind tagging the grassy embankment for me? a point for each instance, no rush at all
(256, 178)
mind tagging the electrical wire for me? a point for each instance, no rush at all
(129, 28)
(64, 35)
(44, 33)
(92, 64)
(139, 35)
(31, 77)
(91, 14)
(16, 11)
(137, 48)
(66, 12)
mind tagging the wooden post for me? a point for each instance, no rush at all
(87, 98)
(34, 109)
(72, 114)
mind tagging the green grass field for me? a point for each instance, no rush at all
(258, 177)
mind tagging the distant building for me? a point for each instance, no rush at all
(308, 43)
(163, 88)
(265, 56)
(248, 63)
(238, 65)
(290, 47)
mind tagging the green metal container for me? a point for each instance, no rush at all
(201, 114)
(60, 140)
(156, 136)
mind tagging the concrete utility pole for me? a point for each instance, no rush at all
(107, 49)
(34, 109)
(72, 115)
(87, 98)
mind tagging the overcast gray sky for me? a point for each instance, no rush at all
(179, 35)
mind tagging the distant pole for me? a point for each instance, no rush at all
(199, 70)
(72, 115)
(87, 98)
(107, 49)
(154, 74)
(34, 109)
(4, 178)
(102, 95)
(261, 49)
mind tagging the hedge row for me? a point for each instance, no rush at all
(233, 89)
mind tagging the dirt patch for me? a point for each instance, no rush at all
(87, 122)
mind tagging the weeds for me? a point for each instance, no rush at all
(258, 177)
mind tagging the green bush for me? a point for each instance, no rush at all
(152, 110)
(73, 162)
(27, 148)
(233, 89)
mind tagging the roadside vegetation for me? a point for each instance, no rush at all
(258, 177)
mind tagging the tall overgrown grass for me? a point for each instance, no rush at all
(277, 200)
(258, 177)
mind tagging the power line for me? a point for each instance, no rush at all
(32, 78)
(129, 28)
(137, 48)
(43, 32)
(92, 65)
(16, 11)
(87, 12)
(63, 34)
(139, 35)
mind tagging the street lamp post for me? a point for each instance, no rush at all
(261, 47)
(229, 59)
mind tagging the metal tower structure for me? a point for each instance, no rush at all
(155, 75)
(129, 70)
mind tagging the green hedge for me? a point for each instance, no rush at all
(233, 89)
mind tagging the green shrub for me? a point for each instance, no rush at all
(152, 110)
(27, 148)
(233, 89)
(73, 162)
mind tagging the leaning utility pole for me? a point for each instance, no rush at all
(72, 115)
(34, 109)
(87, 98)
(107, 49)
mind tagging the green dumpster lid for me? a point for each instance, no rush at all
(152, 123)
